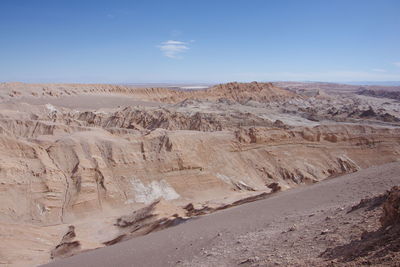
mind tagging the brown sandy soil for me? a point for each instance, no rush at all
(95, 158)
(305, 226)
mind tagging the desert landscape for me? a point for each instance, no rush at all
(89, 166)
(153, 133)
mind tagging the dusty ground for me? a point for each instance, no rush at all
(292, 228)
(95, 157)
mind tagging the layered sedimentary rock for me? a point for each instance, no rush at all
(85, 168)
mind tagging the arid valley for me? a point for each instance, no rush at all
(154, 133)
(221, 176)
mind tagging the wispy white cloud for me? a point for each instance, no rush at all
(378, 70)
(173, 48)
(397, 64)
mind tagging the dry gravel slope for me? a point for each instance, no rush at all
(215, 239)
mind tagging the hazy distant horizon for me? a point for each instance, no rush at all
(208, 84)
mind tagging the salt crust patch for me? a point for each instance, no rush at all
(224, 178)
(51, 108)
(228, 180)
(154, 190)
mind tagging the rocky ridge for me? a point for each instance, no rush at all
(208, 148)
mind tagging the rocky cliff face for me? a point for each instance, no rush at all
(62, 170)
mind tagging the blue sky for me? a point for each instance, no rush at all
(199, 40)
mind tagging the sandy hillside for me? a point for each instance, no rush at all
(85, 166)
(324, 224)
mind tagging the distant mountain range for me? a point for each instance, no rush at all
(383, 83)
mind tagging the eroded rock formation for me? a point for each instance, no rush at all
(64, 166)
